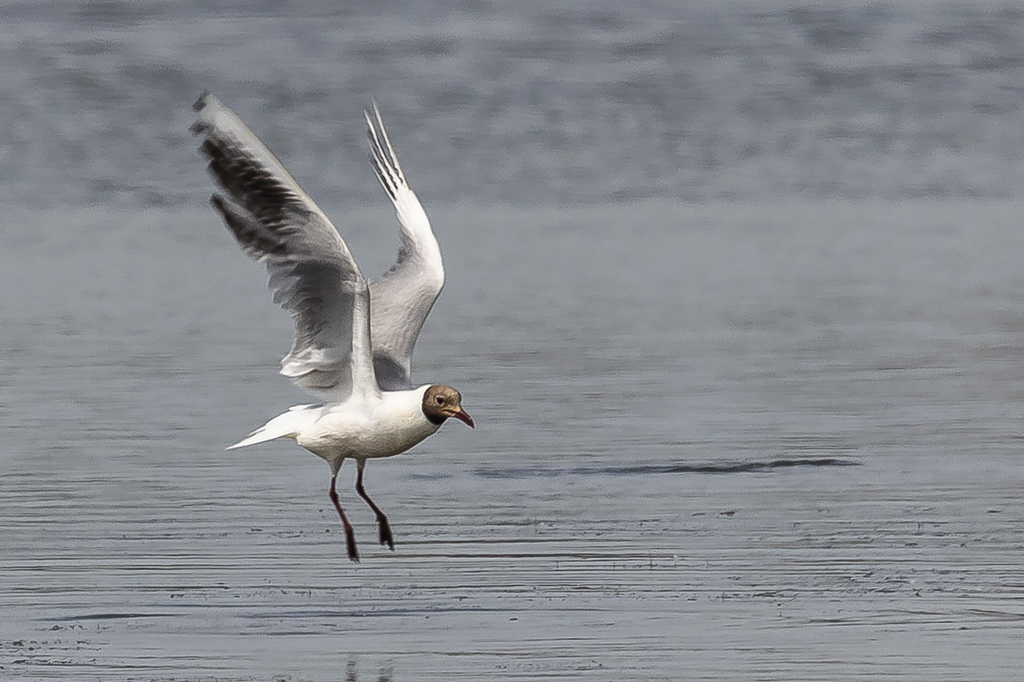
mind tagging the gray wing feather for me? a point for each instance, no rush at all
(312, 272)
(403, 296)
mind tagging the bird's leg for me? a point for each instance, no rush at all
(383, 526)
(350, 536)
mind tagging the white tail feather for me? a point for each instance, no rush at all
(287, 425)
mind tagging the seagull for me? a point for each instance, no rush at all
(353, 341)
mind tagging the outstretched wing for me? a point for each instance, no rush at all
(312, 274)
(403, 296)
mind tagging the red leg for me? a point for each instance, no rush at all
(350, 536)
(383, 527)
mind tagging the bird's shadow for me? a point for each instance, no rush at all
(643, 469)
(384, 674)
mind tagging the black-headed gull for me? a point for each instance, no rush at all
(353, 342)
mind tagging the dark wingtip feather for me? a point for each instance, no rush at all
(201, 102)
(200, 127)
(256, 240)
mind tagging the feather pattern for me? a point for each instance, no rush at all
(312, 272)
(403, 296)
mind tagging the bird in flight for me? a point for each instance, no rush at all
(353, 340)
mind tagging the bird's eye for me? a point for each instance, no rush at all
(440, 400)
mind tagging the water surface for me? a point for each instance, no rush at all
(734, 297)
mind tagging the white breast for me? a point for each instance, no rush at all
(380, 428)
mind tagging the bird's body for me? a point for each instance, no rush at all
(384, 426)
(353, 340)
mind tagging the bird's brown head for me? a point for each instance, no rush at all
(442, 402)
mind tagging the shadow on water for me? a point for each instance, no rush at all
(671, 468)
(352, 673)
(111, 616)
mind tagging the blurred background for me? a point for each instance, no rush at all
(734, 295)
(552, 103)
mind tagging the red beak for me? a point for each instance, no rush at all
(463, 417)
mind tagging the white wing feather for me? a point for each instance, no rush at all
(403, 296)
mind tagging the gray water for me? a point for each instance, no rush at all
(734, 296)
